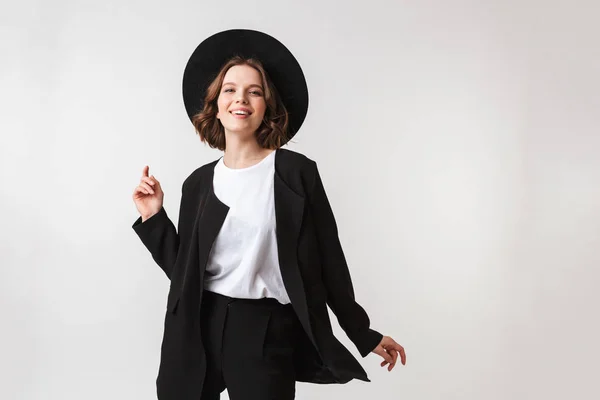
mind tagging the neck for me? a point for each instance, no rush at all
(243, 153)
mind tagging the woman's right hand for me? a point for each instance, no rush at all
(148, 195)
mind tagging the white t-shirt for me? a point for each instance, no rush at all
(243, 261)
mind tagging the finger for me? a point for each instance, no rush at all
(139, 189)
(394, 354)
(155, 180)
(394, 345)
(388, 358)
(402, 355)
(148, 180)
(145, 170)
(390, 363)
(147, 187)
(144, 188)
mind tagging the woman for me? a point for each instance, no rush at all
(255, 259)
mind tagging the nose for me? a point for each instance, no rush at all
(240, 97)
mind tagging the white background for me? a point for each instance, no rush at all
(458, 142)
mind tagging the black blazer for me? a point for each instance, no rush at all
(313, 267)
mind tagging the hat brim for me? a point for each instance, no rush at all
(280, 64)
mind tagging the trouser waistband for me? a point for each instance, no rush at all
(267, 302)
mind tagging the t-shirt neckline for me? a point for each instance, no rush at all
(236, 170)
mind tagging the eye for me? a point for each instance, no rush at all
(256, 92)
(227, 90)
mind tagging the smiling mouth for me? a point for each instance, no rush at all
(241, 113)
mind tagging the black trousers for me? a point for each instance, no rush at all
(249, 346)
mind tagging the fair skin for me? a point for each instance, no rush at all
(242, 89)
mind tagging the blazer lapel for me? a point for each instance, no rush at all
(289, 212)
(208, 220)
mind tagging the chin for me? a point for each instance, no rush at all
(242, 132)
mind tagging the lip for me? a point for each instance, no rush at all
(240, 116)
(241, 109)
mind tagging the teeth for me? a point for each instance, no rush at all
(240, 112)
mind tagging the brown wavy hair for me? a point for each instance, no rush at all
(272, 132)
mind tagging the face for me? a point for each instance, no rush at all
(241, 101)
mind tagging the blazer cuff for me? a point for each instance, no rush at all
(367, 342)
(144, 228)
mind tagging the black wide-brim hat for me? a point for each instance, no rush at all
(279, 63)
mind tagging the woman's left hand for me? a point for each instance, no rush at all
(388, 349)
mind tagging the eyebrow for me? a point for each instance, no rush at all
(253, 85)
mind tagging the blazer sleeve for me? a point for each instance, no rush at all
(340, 293)
(160, 237)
